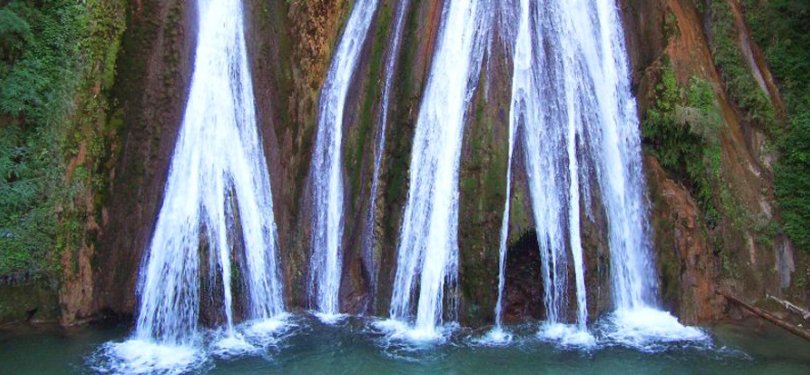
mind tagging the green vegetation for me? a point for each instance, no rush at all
(782, 28)
(37, 52)
(680, 129)
(740, 84)
(55, 59)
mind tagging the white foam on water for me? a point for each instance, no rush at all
(497, 336)
(264, 333)
(230, 345)
(644, 328)
(137, 356)
(266, 327)
(567, 335)
(404, 333)
(330, 319)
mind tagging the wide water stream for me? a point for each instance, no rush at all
(354, 346)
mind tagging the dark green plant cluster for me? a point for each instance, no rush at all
(38, 42)
(56, 60)
(782, 28)
(680, 129)
(728, 56)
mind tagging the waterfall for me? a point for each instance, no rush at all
(218, 159)
(326, 262)
(620, 179)
(546, 108)
(615, 143)
(428, 244)
(217, 194)
(572, 104)
(390, 65)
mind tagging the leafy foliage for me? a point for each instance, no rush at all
(15, 34)
(55, 56)
(37, 60)
(782, 28)
(680, 129)
(728, 56)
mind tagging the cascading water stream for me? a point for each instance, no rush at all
(498, 335)
(572, 102)
(428, 244)
(218, 177)
(326, 261)
(612, 129)
(218, 156)
(390, 65)
(543, 108)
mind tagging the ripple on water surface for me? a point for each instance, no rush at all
(303, 344)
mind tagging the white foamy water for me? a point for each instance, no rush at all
(136, 356)
(497, 336)
(401, 333)
(218, 194)
(427, 258)
(147, 357)
(646, 328)
(326, 175)
(567, 335)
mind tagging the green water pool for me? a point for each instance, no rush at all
(351, 347)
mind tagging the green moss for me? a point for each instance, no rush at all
(671, 26)
(405, 103)
(53, 91)
(737, 76)
(680, 129)
(793, 180)
(360, 142)
(782, 29)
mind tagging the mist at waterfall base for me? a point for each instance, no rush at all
(218, 201)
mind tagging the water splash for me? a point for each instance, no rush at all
(326, 262)
(649, 329)
(428, 244)
(218, 193)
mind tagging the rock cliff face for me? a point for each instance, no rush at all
(725, 241)
(725, 234)
(154, 71)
